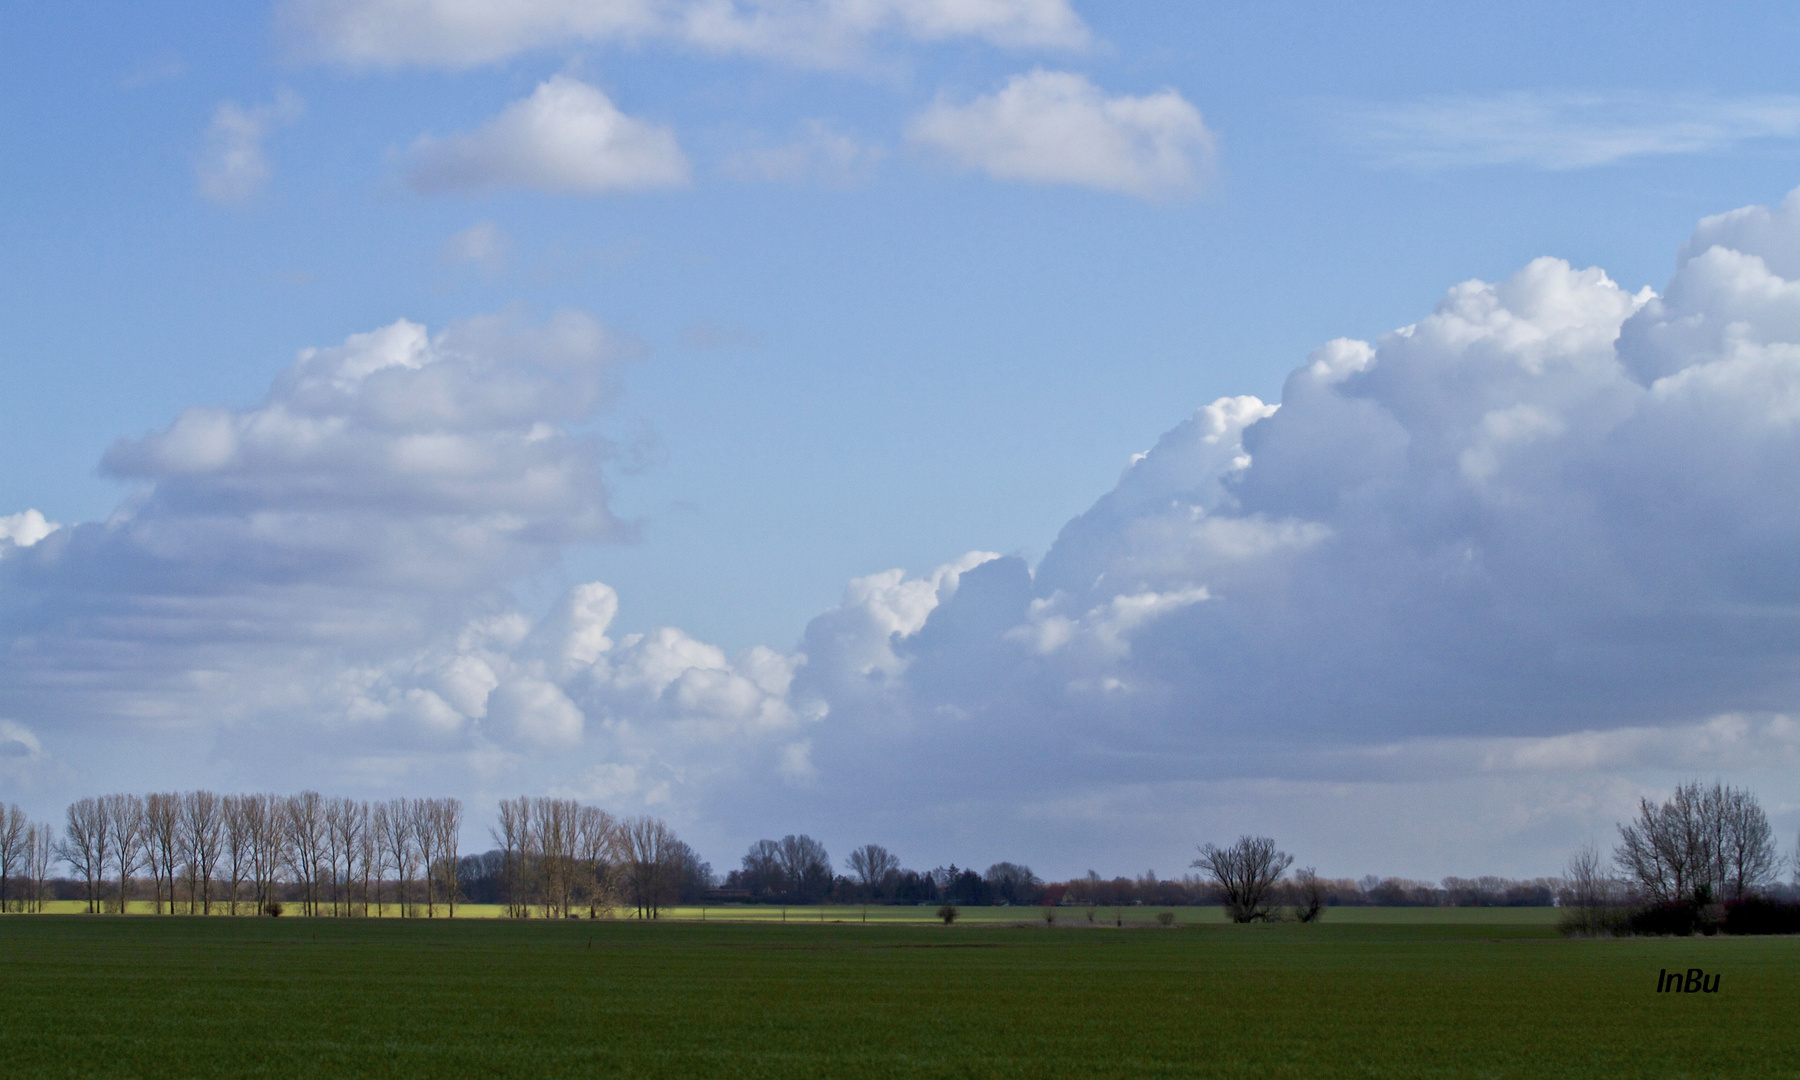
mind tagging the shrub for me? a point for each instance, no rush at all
(947, 913)
(1165, 918)
(1761, 915)
(273, 909)
(1676, 917)
(1049, 915)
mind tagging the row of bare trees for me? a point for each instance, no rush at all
(558, 855)
(203, 851)
(27, 848)
(1698, 849)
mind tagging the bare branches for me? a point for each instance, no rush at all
(1699, 846)
(651, 852)
(1309, 895)
(1244, 874)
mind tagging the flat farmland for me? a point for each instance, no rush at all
(155, 997)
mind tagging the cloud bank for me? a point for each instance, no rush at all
(1454, 603)
(813, 33)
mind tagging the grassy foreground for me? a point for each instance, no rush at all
(304, 998)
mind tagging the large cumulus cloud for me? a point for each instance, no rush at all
(1495, 573)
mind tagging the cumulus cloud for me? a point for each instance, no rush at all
(1054, 127)
(1563, 130)
(232, 166)
(380, 486)
(25, 528)
(567, 138)
(817, 33)
(1495, 574)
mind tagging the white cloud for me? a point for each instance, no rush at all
(1051, 127)
(817, 33)
(232, 166)
(1494, 575)
(25, 528)
(567, 138)
(1563, 130)
(279, 550)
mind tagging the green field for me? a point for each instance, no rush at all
(184, 997)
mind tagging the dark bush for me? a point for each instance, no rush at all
(1676, 918)
(273, 909)
(947, 913)
(1761, 915)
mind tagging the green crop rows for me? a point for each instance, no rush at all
(192, 997)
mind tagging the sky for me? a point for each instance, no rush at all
(997, 429)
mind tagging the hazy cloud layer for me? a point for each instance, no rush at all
(821, 154)
(567, 138)
(1563, 131)
(1055, 127)
(232, 166)
(1499, 571)
(815, 33)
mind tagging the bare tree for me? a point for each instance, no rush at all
(13, 826)
(391, 844)
(447, 819)
(162, 814)
(369, 856)
(512, 834)
(1588, 891)
(237, 845)
(266, 821)
(872, 864)
(402, 850)
(1746, 844)
(125, 813)
(304, 820)
(596, 852)
(345, 822)
(553, 823)
(806, 866)
(649, 848)
(202, 820)
(1699, 845)
(1309, 895)
(425, 838)
(762, 872)
(40, 847)
(1243, 875)
(86, 844)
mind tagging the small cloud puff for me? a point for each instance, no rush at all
(1053, 127)
(567, 138)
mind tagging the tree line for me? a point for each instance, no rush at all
(199, 852)
(1703, 860)
(1690, 861)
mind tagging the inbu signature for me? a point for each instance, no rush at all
(1695, 981)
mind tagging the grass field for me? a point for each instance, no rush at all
(323, 998)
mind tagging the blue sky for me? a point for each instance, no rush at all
(843, 336)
